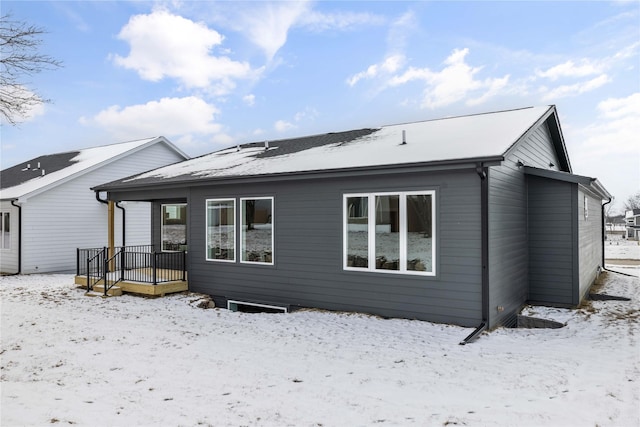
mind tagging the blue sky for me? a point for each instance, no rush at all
(209, 74)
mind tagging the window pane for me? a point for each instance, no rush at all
(419, 232)
(221, 230)
(174, 227)
(387, 232)
(257, 230)
(6, 231)
(357, 232)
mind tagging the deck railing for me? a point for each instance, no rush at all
(130, 263)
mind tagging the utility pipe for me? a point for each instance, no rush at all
(481, 170)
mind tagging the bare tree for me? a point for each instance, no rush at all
(633, 202)
(20, 59)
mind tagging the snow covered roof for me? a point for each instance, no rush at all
(44, 172)
(481, 136)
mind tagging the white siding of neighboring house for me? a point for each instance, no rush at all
(9, 256)
(589, 240)
(66, 217)
(138, 223)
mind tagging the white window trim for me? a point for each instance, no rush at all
(273, 230)
(2, 236)
(371, 197)
(235, 229)
(162, 249)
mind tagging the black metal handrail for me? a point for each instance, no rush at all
(94, 266)
(130, 263)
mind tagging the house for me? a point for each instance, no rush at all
(632, 223)
(460, 220)
(48, 209)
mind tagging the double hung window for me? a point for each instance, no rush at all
(390, 232)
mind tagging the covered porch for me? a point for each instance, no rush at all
(135, 269)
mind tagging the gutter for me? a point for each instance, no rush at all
(604, 229)
(19, 237)
(482, 171)
(124, 222)
(190, 180)
(106, 202)
(124, 215)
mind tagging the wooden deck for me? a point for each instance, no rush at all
(141, 288)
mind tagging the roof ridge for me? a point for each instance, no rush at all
(463, 115)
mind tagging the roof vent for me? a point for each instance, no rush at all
(43, 172)
(37, 167)
(404, 137)
(27, 168)
(238, 147)
(266, 145)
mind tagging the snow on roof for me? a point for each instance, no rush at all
(465, 137)
(74, 163)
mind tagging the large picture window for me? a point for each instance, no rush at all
(174, 227)
(221, 230)
(390, 232)
(256, 231)
(5, 227)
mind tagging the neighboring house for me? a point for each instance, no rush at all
(616, 227)
(632, 222)
(48, 209)
(460, 220)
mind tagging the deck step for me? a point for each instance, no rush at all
(115, 291)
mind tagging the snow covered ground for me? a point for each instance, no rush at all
(71, 359)
(623, 256)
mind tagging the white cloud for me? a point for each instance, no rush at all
(250, 100)
(399, 30)
(453, 83)
(575, 89)
(342, 21)
(267, 24)
(617, 108)
(608, 147)
(496, 86)
(389, 65)
(571, 69)
(283, 126)
(306, 115)
(168, 117)
(166, 45)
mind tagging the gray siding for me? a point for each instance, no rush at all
(508, 252)
(552, 255)
(589, 241)
(308, 270)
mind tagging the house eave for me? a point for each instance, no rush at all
(587, 182)
(433, 166)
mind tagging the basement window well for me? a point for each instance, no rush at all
(256, 307)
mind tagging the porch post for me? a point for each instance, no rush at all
(111, 232)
